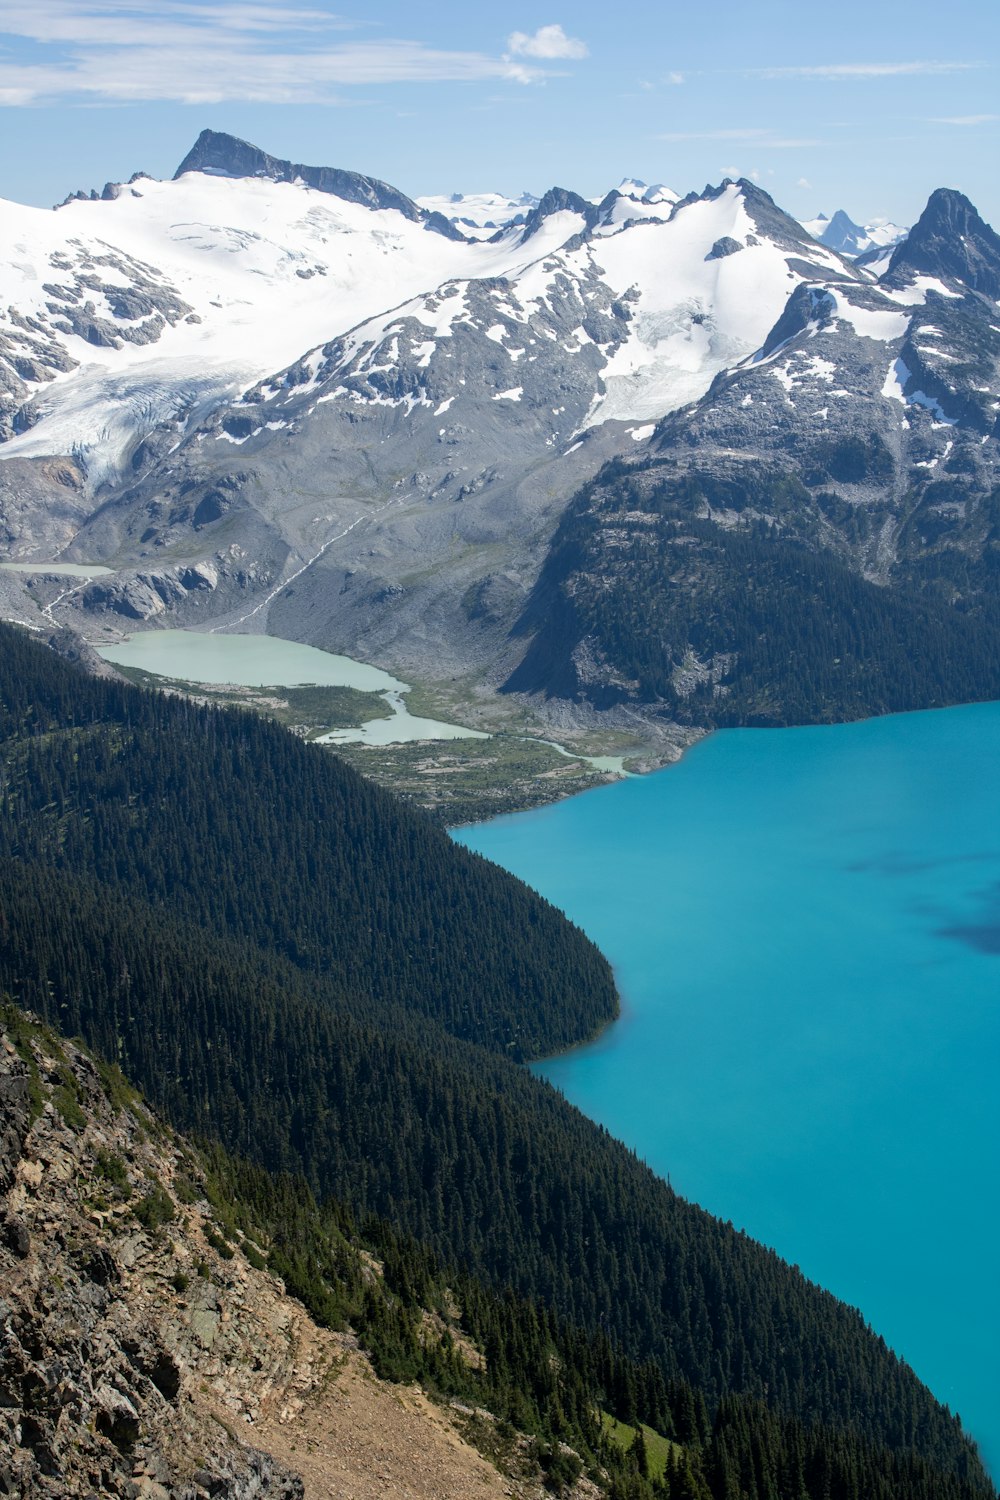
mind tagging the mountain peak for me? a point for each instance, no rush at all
(559, 200)
(842, 234)
(950, 241)
(220, 155)
(846, 237)
(771, 221)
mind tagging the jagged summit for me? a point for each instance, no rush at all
(218, 154)
(842, 234)
(559, 200)
(952, 242)
(769, 220)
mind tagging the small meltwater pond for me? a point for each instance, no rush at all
(267, 661)
(401, 728)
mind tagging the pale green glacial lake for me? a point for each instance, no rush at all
(267, 661)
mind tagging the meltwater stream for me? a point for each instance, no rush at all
(805, 926)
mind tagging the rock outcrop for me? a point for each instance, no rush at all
(118, 1318)
(144, 1355)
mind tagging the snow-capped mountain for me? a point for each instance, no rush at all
(479, 215)
(158, 299)
(864, 431)
(498, 373)
(482, 215)
(842, 234)
(293, 398)
(131, 317)
(164, 297)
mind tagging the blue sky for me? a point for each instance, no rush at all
(855, 105)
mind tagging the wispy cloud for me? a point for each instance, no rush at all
(835, 71)
(758, 138)
(546, 42)
(185, 51)
(965, 120)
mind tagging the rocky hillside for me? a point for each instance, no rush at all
(269, 397)
(144, 1353)
(818, 536)
(362, 425)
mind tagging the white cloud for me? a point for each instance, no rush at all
(183, 50)
(547, 42)
(966, 120)
(675, 77)
(803, 182)
(865, 70)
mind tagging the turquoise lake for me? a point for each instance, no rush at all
(805, 927)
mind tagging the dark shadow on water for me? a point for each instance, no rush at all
(984, 935)
(903, 864)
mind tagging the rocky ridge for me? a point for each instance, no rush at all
(390, 493)
(393, 490)
(142, 1355)
(217, 153)
(864, 429)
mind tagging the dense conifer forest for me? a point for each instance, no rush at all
(293, 965)
(234, 824)
(783, 633)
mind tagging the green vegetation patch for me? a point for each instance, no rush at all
(457, 781)
(112, 1169)
(623, 1436)
(155, 1209)
(465, 781)
(310, 710)
(319, 708)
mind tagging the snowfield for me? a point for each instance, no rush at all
(148, 310)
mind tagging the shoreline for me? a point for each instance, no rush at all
(696, 1002)
(451, 778)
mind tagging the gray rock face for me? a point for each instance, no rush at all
(808, 308)
(14, 1119)
(949, 241)
(394, 462)
(726, 246)
(99, 1393)
(864, 428)
(105, 298)
(110, 192)
(558, 200)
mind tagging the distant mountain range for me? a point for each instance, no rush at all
(847, 238)
(261, 370)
